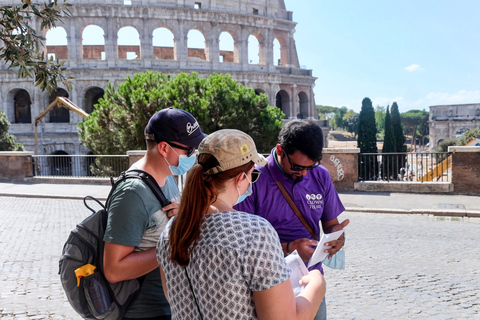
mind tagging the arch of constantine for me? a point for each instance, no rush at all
(108, 41)
(451, 121)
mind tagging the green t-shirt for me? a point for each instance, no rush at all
(135, 219)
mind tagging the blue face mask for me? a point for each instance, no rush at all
(184, 164)
(337, 261)
(247, 193)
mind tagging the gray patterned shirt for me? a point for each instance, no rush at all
(237, 253)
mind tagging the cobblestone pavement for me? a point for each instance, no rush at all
(398, 266)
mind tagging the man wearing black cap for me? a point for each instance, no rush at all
(136, 218)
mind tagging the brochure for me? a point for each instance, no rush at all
(297, 271)
(319, 255)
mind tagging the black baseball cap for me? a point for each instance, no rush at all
(171, 124)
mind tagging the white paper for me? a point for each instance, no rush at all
(320, 254)
(298, 270)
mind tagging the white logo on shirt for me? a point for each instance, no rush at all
(314, 201)
(192, 127)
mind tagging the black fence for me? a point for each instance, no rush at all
(418, 167)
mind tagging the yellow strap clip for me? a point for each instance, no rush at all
(84, 271)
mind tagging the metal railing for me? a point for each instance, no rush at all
(79, 165)
(418, 167)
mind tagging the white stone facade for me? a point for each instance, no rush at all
(449, 121)
(286, 84)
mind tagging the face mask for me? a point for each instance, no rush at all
(337, 261)
(247, 193)
(184, 164)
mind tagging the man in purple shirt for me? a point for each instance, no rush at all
(295, 163)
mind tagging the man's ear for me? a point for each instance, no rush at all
(162, 148)
(279, 150)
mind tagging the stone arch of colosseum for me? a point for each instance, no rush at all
(94, 64)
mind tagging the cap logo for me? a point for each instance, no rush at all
(244, 149)
(192, 127)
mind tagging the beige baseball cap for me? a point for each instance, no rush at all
(232, 148)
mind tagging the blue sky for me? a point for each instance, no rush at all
(417, 53)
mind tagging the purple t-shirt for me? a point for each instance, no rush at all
(315, 197)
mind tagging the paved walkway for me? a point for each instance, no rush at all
(399, 266)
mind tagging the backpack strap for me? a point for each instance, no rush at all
(149, 181)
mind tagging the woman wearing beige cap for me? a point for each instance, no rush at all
(225, 264)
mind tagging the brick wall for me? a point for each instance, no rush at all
(15, 165)
(465, 170)
(342, 164)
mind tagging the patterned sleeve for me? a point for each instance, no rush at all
(264, 263)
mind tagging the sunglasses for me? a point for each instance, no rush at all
(296, 167)
(189, 151)
(255, 175)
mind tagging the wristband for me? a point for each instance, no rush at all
(288, 250)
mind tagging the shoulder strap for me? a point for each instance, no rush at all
(293, 206)
(149, 181)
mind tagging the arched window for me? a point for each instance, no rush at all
(59, 114)
(163, 44)
(22, 105)
(60, 165)
(93, 43)
(283, 102)
(253, 50)
(280, 52)
(128, 43)
(303, 105)
(91, 98)
(259, 91)
(57, 43)
(196, 44)
(226, 47)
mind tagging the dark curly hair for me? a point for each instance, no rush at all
(304, 136)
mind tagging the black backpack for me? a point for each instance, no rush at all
(81, 263)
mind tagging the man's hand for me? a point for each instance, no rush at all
(336, 245)
(305, 248)
(172, 209)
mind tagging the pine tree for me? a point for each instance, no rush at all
(389, 160)
(389, 144)
(397, 129)
(367, 141)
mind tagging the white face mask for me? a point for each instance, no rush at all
(248, 192)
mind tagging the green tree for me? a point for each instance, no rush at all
(397, 129)
(367, 141)
(412, 120)
(350, 121)
(23, 46)
(326, 112)
(117, 124)
(7, 141)
(389, 167)
(380, 118)
(338, 122)
(443, 146)
(367, 138)
(468, 135)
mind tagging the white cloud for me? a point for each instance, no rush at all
(441, 98)
(413, 67)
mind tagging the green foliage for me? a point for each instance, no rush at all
(350, 122)
(367, 135)
(389, 140)
(326, 112)
(443, 146)
(7, 141)
(23, 46)
(397, 129)
(338, 122)
(413, 120)
(380, 118)
(468, 135)
(117, 124)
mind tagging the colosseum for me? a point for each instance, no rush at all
(107, 41)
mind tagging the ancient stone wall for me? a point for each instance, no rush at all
(265, 22)
(450, 121)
